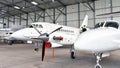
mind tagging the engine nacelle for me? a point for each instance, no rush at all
(58, 38)
(51, 44)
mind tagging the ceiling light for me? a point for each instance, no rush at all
(16, 7)
(3, 11)
(34, 3)
(23, 7)
(53, 0)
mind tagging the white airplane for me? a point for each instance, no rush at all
(99, 41)
(59, 35)
(5, 33)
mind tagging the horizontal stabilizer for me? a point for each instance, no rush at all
(105, 54)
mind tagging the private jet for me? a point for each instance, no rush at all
(5, 34)
(58, 35)
(99, 41)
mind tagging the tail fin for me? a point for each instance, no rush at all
(83, 27)
(85, 22)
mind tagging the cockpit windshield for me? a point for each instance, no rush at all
(112, 24)
(107, 24)
(36, 25)
(99, 25)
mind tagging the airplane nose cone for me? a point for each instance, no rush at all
(24, 34)
(97, 40)
(19, 34)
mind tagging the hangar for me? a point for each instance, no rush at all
(64, 12)
(24, 12)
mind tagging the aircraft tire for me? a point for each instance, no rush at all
(98, 66)
(10, 42)
(72, 55)
(36, 49)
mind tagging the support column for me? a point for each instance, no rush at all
(8, 19)
(27, 19)
(54, 16)
(20, 20)
(78, 15)
(66, 15)
(13, 19)
(4, 24)
(94, 12)
(44, 16)
(8, 23)
(35, 17)
(111, 9)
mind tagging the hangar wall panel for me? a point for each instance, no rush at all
(115, 9)
(72, 8)
(102, 7)
(1, 25)
(102, 3)
(72, 23)
(47, 19)
(60, 18)
(102, 11)
(116, 2)
(72, 16)
(83, 7)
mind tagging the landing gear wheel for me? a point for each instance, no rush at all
(72, 55)
(10, 42)
(72, 52)
(36, 49)
(98, 66)
(98, 59)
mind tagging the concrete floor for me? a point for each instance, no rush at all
(22, 56)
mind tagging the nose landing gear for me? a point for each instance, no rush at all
(36, 47)
(72, 52)
(98, 57)
(98, 66)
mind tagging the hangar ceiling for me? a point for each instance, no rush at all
(15, 7)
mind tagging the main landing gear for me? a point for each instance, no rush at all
(98, 59)
(36, 47)
(10, 42)
(72, 52)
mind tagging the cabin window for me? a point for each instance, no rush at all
(30, 26)
(40, 26)
(10, 33)
(33, 24)
(99, 25)
(112, 24)
(36, 25)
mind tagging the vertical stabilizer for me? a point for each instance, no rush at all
(85, 22)
(83, 27)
